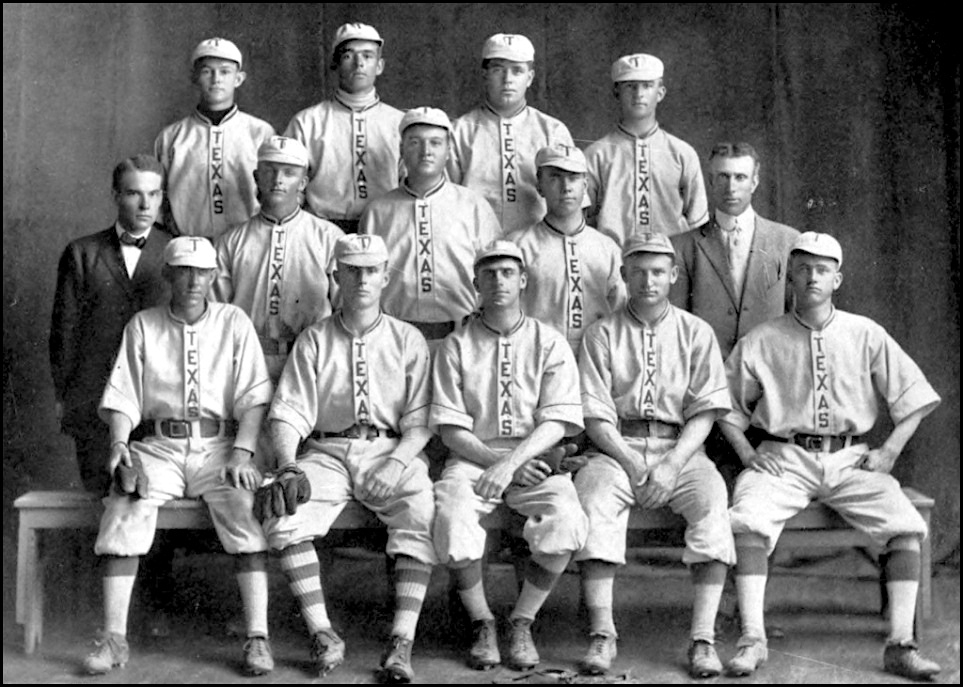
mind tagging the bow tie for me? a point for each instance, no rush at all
(129, 239)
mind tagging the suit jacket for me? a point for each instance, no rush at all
(705, 286)
(94, 300)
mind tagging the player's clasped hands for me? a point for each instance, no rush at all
(240, 472)
(655, 485)
(764, 461)
(381, 482)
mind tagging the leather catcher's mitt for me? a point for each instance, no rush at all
(562, 458)
(131, 481)
(288, 488)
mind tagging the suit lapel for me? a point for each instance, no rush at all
(152, 255)
(712, 247)
(114, 260)
(758, 277)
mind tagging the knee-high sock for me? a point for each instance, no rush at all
(707, 581)
(411, 584)
(252, 580)
(752, 570)
(303, 571)
(902, 586)
(119, 575)
(598, 582)
(540, 577)
(468, 582)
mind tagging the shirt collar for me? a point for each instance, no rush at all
(284, 220)
(430, 192)
(824, 325)
(659, 320)
(747, 220)
(344, 327)
(120, 230)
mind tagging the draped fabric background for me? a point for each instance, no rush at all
(854, 109)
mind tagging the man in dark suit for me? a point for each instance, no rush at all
(102, 280)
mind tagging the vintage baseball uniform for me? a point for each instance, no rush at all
(496, 156)
(787, 378)
(355, 154)
(279, 273)
(210, 170)
(168, 369)
(432, 241)
(334, 381)
(572, 280)
(642, 184)
(499, 388)
(666, 373)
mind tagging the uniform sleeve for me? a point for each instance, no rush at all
(64, 321)
(558, 398)
(595, 377)
(417, 381)
(222, 290)
(124, 392)
(744, 387)
(252, 384)
(900, 380)
(454, 165)
(489, 228)
(695, 203)
(296, 401)
(448, 397)
(708, 385)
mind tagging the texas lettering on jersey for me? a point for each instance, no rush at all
(506, 416)
(647, 408)
(643, 208)
(575, 294)
(821, 406)
(360, 142)
(359, 370)
(509, 163)
(192, 377)
(425, 256)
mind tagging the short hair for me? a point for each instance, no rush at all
(488, 60)
(739, 149)
(495, 258)
(343, 48)
(138, 163)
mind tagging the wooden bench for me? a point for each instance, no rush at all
(815, 527)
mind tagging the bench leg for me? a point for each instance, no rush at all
(924, 601)
(29, 588)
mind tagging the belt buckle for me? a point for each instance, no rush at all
(179, 429)
(814, 443)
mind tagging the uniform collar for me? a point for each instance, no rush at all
(357, 103)
(230, 113)
(430, 192)
(649, 134)
(581, 228)
(823, 326)
(271, 220)
(512, 331)
(340, 320)
(514, 114)
(659, 320)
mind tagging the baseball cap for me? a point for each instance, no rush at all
(424, 115)
(361, 250)
(499, 248)
(569, 158)
(638, 67)
(290, 151)
(822, 245)
(190, 251)
(647, 242)
(355, 31)
(509, 46)
(217, 47)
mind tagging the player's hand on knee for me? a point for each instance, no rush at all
(381, 482)
(877, 460)
(532, 472)
(119, 454)
(240, 472)
(765, 461)
(494, 481)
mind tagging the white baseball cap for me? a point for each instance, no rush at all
(638, 67)
(424, 115)
(355, 31)
(361, 250)
(289, 151)
(647, 242)
(569, 158)
(217, 47)
(190, 251)
(499, 248)
(509, 46)
(823, 245)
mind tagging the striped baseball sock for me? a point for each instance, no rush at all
(468, 582)
(119, 575)
(707, 581)
(411, 584)
(752, 571)
(540, 577)
(598, 581)
(252, 580)
(303, 571)
(902, 570)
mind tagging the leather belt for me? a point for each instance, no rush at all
(275, 346)
(649, 429)
(367, 432)
(434, 330)
(817, 443)
(205, 428)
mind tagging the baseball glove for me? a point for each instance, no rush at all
(131, 480)
(281, 496)
(562, 458)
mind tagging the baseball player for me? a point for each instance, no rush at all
(505, 392)
(209, 156)
(193, 374)
(433, 229)
(277, 266)
(352, 139)
(809, 381)
(641, 178)
(356, 389)
(653, 382)
(588, 287)
(495, 144)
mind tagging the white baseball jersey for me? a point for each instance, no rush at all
(787, 378)
(279, 272)
(432, 241)
(501, 387)
(496, 156)
(644, 184)
(334, 380)
(167, 368)
(573, 280)
(210, 170)
(355, 155)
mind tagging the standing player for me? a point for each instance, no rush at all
(433, 229)
(588, 287)
(352, 139)
(495, 144)
(810, 380)
(277, 266)
(641, 178)
(653, 382)
(505, 392)
(356, 389)
(209, 156)
(192, 373)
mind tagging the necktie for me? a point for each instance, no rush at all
(733, 236)
(129, 239)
